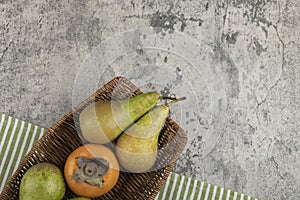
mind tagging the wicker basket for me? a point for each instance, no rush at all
(62, 138)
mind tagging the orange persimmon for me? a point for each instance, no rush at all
(91, 170)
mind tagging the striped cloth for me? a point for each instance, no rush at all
(17, 138)
(178, 187)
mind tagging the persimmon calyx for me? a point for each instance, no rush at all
(90, 170)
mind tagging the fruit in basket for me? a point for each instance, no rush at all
(42, 181)
(103, 121)
(91, 170)
(136, 148)
(79, 198)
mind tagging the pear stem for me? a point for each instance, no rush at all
(175, 101)
(168, 98)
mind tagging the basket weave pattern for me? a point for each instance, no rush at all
(63, 138)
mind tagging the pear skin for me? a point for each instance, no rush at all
(42, 181)
(136, 148)
(103, 121)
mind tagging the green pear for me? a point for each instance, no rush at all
(103, 121)
(137, 147)
(42, 181)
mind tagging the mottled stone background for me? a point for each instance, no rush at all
(256, 49)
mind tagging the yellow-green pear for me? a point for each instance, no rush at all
(42, 181)
(137, 147)
(103, 121)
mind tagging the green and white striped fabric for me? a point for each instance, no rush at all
(17, 138)
(178, 187)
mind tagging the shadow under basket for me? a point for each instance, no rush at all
(63, 138)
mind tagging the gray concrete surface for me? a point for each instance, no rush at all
(255, 45)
